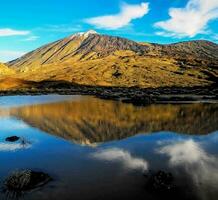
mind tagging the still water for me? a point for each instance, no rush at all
(99, 149)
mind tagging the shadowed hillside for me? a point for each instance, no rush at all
(9, 83)
(91, 120)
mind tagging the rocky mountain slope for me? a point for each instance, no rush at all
(78, 47)
(101, 60)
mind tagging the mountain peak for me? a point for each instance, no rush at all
(90, 32)
(84, 34)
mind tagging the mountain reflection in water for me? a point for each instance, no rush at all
(100, 149)
(92, 120)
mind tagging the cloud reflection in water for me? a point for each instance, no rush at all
(13, 146)
(197, 163)
(123, 156)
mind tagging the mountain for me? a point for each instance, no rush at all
(101, 60)
(80, 46)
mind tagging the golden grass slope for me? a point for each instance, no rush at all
(123, 68)
(4, 70)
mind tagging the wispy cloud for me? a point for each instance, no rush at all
(11, 32)
(119, 155)
(61, 28)
(31, 38)
(7, 55)
(127, 13)
(215, 37)
(190, 20)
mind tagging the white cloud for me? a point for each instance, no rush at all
(11, 32)
(116, 154)
(61, 28)
(215, 37)
(31, 38)
(190, 20)
(128, 13)
(8, 55)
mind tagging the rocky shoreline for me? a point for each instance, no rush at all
(134, 95)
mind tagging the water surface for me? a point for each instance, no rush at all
(100, 149)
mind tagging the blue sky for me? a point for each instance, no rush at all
(28, 24)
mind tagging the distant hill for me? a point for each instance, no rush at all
(102, 60)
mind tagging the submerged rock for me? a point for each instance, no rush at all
(12, 139)
(163, 185)
(25, 180)
(160, 182)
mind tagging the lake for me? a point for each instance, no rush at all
(97, 149)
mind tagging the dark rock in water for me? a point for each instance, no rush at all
(25, 180)
(163, 185)
(161, 182)
(12, 139)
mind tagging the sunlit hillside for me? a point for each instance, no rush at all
(102, 60)
(4, 70)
